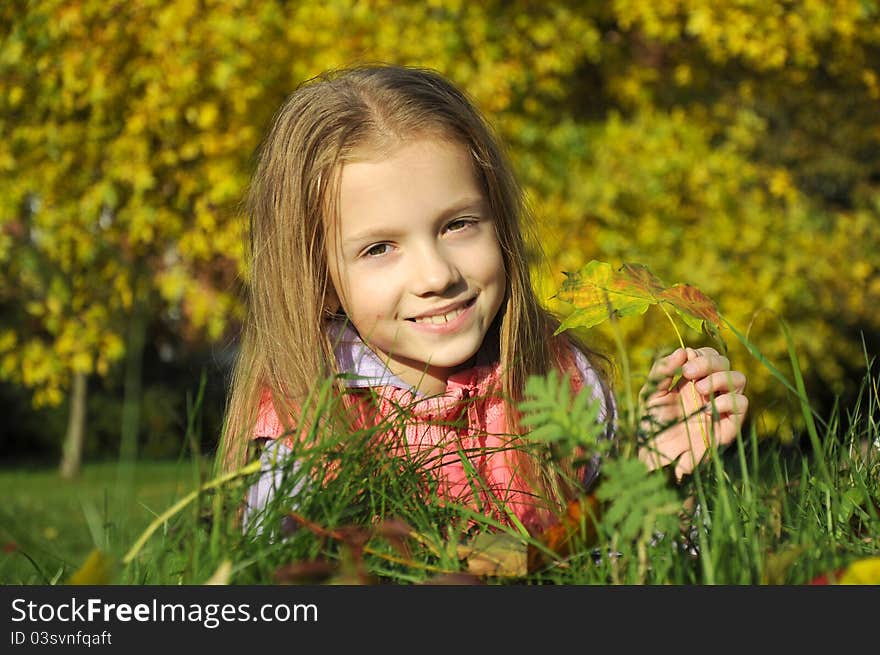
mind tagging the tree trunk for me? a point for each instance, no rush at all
(71, 449)
(131, 404)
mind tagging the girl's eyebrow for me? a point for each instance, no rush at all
(371, 235)
(475, 204)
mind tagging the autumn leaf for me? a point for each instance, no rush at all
(222, 575)
(98, 569)
(354, 544)
(396, 531)
(309, 572)
(694, 306)
(865, 571)
(862, 572)
(578, 527)
(777, 564)
(598, 293)
(497, 554)
(454, 579)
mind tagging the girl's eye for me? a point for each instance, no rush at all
(460, 224)
(377, 251)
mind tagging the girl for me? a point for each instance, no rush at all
(388, 250)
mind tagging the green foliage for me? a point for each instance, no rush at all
(564, 421)
(733, 146)
(640, 502)
(768, 519)
(659, 189)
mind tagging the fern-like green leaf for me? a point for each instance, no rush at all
(639, 501)
(557, 417)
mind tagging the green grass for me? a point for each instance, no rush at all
(761, 512)
(48, 526)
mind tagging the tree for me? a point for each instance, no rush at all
(732, 145)
(126, 128)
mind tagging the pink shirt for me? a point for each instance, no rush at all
(468, 420)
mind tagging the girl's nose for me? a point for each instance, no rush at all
(433, 272)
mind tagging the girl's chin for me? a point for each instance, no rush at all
(445, 364)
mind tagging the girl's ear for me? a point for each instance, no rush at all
(332, 306)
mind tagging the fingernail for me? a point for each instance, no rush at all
(687, 369)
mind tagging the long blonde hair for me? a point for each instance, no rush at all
(284, 346)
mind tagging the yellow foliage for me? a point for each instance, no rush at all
(728, 144)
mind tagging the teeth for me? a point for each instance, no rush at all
(440, 319)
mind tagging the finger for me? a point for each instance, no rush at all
(729, 404)
(664, 368)
(691, 452)
(660, 418)
(701, 365)
(728, 419)
(654, 457)
(719, 361)
(695, 451)
(685, 465)
(679, 436)
(662, 399)
(731, 408)
(721, 381)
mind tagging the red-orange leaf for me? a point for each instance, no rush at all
(690, 300)
(577, 528)
(597, 293)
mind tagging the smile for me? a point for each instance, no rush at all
(442, 319)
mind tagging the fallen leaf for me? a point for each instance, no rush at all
(578, 527)
(221, 575)
(863, 571)
(396, 531)
(98, 569)
(777, 564)
(495, 554)
(827, 578)
(305, 572)
(457, 578)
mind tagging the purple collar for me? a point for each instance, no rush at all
(360, 366)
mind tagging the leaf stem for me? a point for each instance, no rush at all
(691, 384)
(674, 326)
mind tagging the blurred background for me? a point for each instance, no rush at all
(729, 144)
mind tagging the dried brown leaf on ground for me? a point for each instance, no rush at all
(495, 554)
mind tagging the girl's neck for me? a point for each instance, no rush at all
(380, 368)
(424, 378)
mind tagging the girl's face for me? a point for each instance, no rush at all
(415, 260)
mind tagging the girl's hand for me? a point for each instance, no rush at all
(709, 393)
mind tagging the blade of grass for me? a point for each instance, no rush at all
(248, 469)
(806, 409)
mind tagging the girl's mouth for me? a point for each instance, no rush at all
(442, 320)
